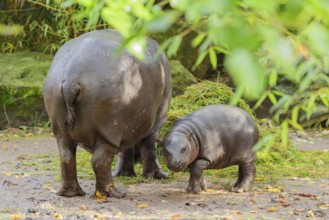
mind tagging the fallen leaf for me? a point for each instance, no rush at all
(259, 179)
(83, 207)
(57, 215)
(15, 217)
(253, 211)
(5, 146)
(286, 204)
(28, 135)
(307, 195)
(118, 214)
(142, 205)
(50, 188)
(99, 196)
(269, 188)
(310, 213)
(272, 209)
(236, 212)
(7, 174)
(211, 190)
(175, 217)
(231, 203)
(323, 205)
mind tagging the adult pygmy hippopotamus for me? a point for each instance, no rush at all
(106, 102)
(213, 137)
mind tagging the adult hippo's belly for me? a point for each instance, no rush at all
(106, 102)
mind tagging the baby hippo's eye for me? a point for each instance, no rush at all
(183, 150)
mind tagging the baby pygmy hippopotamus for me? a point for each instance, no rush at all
(213, 137)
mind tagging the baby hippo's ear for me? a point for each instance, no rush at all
(190, 136)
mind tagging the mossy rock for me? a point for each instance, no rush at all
(197, 96)
(181, 77)
(21, 80)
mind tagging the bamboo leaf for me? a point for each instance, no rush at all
(213, 58)
(294, 113)
(272, 98)
(198, 39)
(174, 45)
(284, 132)
(199, 60)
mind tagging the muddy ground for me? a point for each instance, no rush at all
(28, 192)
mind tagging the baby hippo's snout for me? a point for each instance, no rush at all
(174, 163)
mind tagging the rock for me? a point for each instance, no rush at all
(181, 77)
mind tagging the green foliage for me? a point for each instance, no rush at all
(46, 25)
(266, 43)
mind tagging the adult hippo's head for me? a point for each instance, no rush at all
(178, 150)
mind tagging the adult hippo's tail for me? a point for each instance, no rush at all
(70, 91)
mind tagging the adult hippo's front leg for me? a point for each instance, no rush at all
(101, 161)
(151, 165)
(196, 182)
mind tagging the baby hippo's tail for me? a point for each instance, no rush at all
(70, 91)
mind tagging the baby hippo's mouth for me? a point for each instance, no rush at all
(176, 166)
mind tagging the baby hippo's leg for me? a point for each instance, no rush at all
(196, 182)
(247, 172)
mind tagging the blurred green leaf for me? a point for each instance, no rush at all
(318, 37)
(198, 39)
(173, 47)
(213, 58)
(273, 78)
(163, 22)
(247, 71)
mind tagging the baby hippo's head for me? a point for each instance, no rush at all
(177, 151)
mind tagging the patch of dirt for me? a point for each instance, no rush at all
(31, 193)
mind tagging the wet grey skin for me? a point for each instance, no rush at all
(213, 137)
(106, 102)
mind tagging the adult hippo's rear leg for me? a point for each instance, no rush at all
(69, 181)
(151, 165)
(101, 161)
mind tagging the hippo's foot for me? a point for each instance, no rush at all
(71, 190)
(157, 174)
(110, 191)
(196, 187)
(240, 187)
(125, 164)
(124, 172)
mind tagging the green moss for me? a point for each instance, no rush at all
(21, 79)
(27, 69)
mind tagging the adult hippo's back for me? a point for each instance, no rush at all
(105, 102)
